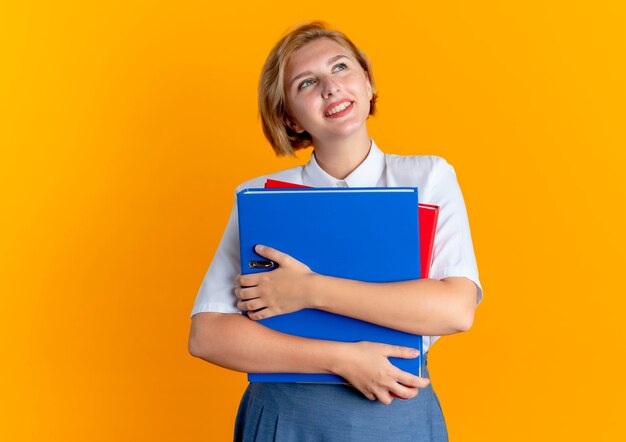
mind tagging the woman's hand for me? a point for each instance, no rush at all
(283, 290)
(366, 367)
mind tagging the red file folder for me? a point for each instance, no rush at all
(427, 213)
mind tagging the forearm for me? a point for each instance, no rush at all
(423, 306)
(235, 342)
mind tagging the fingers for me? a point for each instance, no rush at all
(245, 293)
(400, 352)
(251, 305)
(387, 382)
(256, 309)
(261, 314)
(388, 393)
(384, 397)
(411, 380)
(396, 390)
(376, 394)
(251, 280)
(250, 300)
(272, 254)
(404, 391)
(402, 385)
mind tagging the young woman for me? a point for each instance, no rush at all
(317, 89)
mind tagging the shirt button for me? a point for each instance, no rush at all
(341, 184)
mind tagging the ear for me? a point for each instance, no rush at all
(370, 88)
(293, 125)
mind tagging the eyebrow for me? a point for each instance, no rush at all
(329, 62)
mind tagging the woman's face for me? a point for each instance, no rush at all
(328, 92)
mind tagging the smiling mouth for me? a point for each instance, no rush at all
(339, 108)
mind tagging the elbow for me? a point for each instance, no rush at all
(463, 307)
(206, 338)
(461, 321)
(201, 349)
(193, 347)
(458, 323)
(464, 320)
(199, 337)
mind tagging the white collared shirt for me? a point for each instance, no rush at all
(453, 253)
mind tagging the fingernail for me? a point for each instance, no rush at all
(259, 248)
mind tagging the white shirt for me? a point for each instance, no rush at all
(453, 253)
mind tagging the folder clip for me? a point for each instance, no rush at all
(264, 264)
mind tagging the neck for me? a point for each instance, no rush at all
(340, 157)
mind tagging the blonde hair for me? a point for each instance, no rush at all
(272, 100)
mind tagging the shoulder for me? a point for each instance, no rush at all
(416, 162)
(292, 175)
(421, 169)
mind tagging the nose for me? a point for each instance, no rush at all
(329, 87)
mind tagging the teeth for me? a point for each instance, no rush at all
(338, 108)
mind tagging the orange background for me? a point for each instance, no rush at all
(125, 128)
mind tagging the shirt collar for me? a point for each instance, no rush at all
(367, 174)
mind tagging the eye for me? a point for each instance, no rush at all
(305, 83)
(340, 67)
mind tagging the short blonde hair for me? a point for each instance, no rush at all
(272, 100)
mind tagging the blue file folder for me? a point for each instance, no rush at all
(366, 234)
